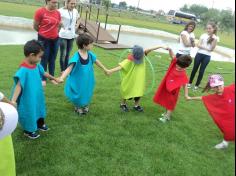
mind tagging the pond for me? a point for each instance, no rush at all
(19, 31)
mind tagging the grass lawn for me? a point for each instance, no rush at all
(27, 11)
(108, 142)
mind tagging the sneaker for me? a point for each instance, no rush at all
(164, 114)
(138, 108)
(33, 135)
(195, 88)
(43, 128)
(79, 111)
(189, 86)
(124, 108)
(222, 145)
(164, 119)
(86, 110)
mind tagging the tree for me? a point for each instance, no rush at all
(227, 20)
(106, 3)
(123, 5)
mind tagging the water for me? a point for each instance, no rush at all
(20, 30)
(149, 41)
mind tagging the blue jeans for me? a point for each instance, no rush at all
(66, 46)
(201, 60)
(50, 54)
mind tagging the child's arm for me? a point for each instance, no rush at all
(66, 72)
(171, 53)
(4, 99)
(116, 69)
(147, 51)
(187, 97)
(100, 65)
(47, 75)
(16, 93)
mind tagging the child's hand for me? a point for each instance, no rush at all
(59, 80)
(13, 103)
(188, 98)
(108, 72)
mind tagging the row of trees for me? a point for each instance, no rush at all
(224, 18)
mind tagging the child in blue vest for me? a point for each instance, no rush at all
(81, 81)
(28, 94)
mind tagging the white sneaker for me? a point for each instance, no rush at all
(195, 88)
(189, 86)
(164, 119)
(222, 145)
(162, 115)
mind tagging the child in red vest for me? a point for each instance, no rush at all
(221, 107)
(176, 77)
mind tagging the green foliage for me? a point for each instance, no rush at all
(224, 18)
(106, 3)
(123, 5)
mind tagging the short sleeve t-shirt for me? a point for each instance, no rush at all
(69, 19)
(48, 22)
(182, 48)
(204, 39)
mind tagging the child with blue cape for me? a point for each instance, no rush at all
(28, 94)
(80, 83)
(133, 75)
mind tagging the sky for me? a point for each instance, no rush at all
(167, 5)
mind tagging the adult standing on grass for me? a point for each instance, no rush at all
(67, 34)
(186, 39)
(206, 45)
(47, 21)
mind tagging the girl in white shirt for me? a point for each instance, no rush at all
(186, 40)
(206, 45)
(67, 34)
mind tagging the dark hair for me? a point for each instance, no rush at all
(33, 47)
(82, 40)
(189, 24)
(214, 26)
(184, 61)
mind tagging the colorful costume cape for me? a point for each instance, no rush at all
(81, 82)
(133, 78)
(31, 102)
(222, 110)
(7, 158)
(168, 91)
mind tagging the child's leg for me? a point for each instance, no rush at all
(137, 106)
(41, 125)
(123, 102)
(137, 101)
(124, 106)
(166, 116)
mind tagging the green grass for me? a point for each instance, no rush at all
(110, 143)
(27, 11)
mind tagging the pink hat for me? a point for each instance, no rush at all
(216, 80)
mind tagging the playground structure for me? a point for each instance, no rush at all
(93, 27)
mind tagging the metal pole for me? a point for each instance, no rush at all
(106, 20)
(118, 34)
(86, 18)
(98, 14)
(90, 11)
(99, 24)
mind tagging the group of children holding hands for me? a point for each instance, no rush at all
(28, 94)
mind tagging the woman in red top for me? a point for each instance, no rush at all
(221, 106)
(47, 21)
